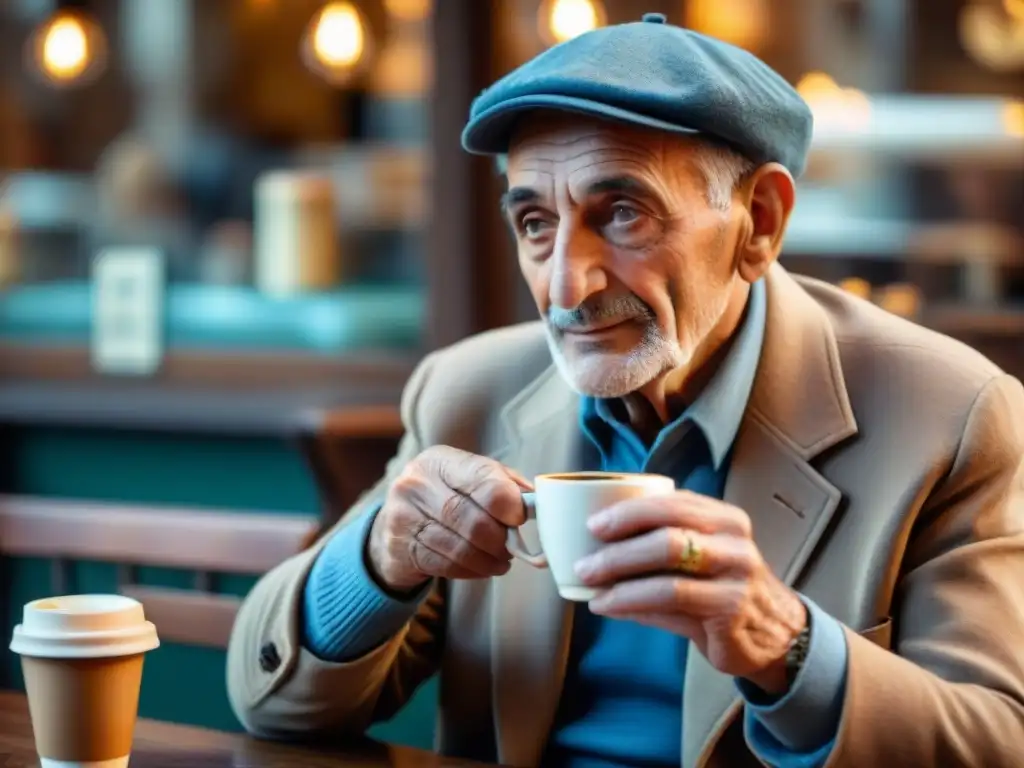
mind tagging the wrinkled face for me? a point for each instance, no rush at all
(630, 265)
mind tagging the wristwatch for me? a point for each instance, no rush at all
(797, 653)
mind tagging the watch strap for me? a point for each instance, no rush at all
(797, 653)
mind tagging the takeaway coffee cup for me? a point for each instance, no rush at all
(82, 656)
(561, 505)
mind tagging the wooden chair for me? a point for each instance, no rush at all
(203, 542)
(346, 450)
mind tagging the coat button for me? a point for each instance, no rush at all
(270, 659)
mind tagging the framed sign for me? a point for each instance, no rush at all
(128, 311)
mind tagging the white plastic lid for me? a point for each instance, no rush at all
(84, 627)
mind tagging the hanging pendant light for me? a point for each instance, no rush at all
(561, 20)
(744, 23)
(993, 36)
(1015, 10)
(68, 49)
(336, 45)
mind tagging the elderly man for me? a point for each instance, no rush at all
(852, 481)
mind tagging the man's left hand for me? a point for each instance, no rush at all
(723, 597)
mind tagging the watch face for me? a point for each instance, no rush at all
(797, 654)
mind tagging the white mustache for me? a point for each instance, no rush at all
(601, 311)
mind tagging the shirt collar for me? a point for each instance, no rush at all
(719, 409)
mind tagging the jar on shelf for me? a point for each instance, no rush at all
(296, 234)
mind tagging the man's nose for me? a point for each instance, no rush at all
(577, 268)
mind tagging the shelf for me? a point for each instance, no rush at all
(944, 130)
(963, 321)
(230, 318)
(827, 234)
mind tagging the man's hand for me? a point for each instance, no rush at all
(735, 610)
(446, 515)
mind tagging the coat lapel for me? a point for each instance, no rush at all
(531, 623)
(798, 408)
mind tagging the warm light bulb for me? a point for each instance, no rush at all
(1013, 118)
(1015, 10)
(901, 299)
(816, 84)
(336, 43)
(744, 23)
(407, 10)
(992, 38)
(67, 48)
(835, 107)
(338, 38)
(563, 20)
(858, 286)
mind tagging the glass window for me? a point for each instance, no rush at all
(272, 152)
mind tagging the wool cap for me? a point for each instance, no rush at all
(653, 74)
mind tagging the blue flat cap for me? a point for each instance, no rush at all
(657, 75)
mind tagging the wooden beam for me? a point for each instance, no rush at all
(191, 539)
(255, 370)
(471, 271)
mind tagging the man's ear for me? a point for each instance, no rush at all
(768, 196)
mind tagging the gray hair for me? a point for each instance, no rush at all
(722, 167)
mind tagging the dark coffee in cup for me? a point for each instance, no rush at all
(588, 477)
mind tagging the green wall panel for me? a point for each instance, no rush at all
(232, 473)
(181, 684)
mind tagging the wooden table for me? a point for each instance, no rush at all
(165, 745)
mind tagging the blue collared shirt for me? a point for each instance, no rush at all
(695, 449)
(346, 614)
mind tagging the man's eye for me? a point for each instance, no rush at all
(533, 227)
(624, 214)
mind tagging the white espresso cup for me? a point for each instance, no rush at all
(561, 504)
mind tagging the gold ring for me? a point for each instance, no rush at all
(692, 559)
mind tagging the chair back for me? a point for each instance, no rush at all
(205, 543)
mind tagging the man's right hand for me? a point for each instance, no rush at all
(446, 515)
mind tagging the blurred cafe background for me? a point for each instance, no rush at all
(230, 228)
